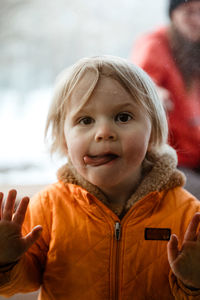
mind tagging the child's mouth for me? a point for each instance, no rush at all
(99, 160)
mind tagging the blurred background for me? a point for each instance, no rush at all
(38, 38)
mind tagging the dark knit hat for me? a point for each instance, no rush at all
(174, 3)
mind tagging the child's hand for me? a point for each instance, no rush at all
(185, 263)
(12, 244)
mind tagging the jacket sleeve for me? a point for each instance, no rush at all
(26, 275)
(150, 54)
(181, 292)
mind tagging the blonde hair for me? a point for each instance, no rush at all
(131, 77)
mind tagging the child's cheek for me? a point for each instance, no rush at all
(76, 152)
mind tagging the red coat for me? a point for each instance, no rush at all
(153, 54)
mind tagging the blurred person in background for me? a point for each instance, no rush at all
(171, 56)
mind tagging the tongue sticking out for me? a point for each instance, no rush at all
(99, 160)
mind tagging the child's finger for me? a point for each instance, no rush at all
(1, 200)
(198, 235)
(21, 211)
(172, 248)
(191, 232)
(32, 236)
(9, 206)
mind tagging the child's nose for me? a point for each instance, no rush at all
(106, 133)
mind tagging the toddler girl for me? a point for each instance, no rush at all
(101, 231)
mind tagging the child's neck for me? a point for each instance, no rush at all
(119, 195)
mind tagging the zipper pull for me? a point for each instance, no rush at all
(117, 231)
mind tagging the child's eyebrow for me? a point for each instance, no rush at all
(77, 113)
(126, 105)
(89, 107)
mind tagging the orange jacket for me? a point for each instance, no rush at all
(87, 252)
(152, 53)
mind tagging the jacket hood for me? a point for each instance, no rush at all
(159, 173)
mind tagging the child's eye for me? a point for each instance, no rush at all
(86, 121)
(123, 117)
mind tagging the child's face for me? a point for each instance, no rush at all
(107, 139)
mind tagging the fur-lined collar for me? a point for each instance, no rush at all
(159, 173)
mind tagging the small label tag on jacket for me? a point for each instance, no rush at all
(160, 234)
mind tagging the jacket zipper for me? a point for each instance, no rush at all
(117, 231)
(117, 238)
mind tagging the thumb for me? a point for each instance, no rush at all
(32, 236)
(172, 249)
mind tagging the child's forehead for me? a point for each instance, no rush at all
(83, 85)
(108, 91)
(103, 85)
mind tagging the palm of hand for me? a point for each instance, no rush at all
(185, 263)
(12, 244)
